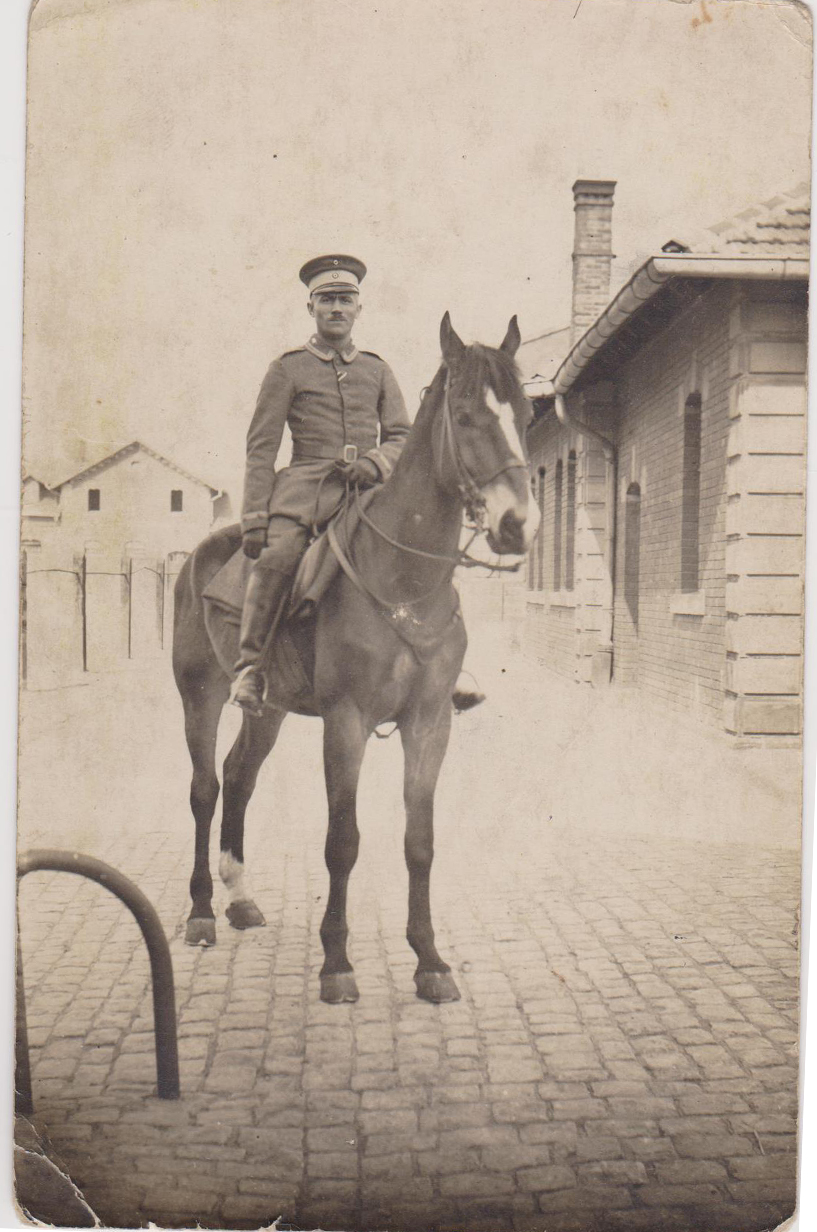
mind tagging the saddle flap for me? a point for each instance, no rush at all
(226, 589)
(319, 564)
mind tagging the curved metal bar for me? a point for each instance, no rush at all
(161, 967)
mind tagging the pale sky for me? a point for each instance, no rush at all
(187, 156)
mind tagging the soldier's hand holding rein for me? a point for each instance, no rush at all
(362, 473)
(253, 542)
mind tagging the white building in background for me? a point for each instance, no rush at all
(132, 496)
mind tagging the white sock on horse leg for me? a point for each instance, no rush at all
(231, 872)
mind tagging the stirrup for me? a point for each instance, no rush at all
(466, 701)
(256, 711)
(464, 698)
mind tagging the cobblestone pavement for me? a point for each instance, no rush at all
(623, 1056)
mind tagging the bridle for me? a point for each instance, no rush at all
(401, 614)
(470, 491)
(470, 487)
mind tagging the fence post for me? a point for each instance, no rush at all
(83, 574)
(175, 561)
(51, 617)
(106, 609)
(130, 607)
(163, 584)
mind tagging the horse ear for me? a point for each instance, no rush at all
(510, 343)
(451, 344)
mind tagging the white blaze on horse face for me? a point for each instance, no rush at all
(231, 872)
(507, 422)
(500, 497)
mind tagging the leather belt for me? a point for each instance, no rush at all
(310, 453)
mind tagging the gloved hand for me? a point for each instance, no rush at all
(254, 541)
(362, 473)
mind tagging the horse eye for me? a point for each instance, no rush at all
(464, 419)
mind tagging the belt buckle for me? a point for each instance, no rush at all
(350, 453)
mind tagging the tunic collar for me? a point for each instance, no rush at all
(316, 346)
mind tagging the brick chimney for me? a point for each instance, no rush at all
(592, 252)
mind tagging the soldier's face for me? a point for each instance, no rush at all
(335, 313)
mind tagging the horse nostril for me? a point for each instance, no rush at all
(511, 529)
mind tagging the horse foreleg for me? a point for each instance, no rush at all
(424, 747)
(344, 742)
(241, 766)
(202, 710)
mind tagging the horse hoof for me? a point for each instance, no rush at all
(436, 986)
(200, 931)
(335, 989)
(245, 914)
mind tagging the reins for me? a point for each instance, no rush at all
(470, 492)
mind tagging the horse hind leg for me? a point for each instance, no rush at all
(202, 710)
(241, 766)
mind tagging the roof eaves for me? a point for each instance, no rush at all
(649, 279)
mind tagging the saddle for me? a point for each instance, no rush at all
(289, 660)
(316, 569)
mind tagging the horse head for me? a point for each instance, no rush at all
(485, 419)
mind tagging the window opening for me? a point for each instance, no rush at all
(691, 497)
(557, 527)
(632, 550)
(570, 523)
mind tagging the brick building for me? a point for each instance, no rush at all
(668, 455)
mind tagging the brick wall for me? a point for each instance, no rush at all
(723, 645)
(568, 614)
(676, 652)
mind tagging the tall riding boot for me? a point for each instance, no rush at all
(266, 591)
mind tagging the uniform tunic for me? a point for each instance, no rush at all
(329, 400)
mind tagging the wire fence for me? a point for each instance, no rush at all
(92, 612)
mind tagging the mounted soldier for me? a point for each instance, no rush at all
(348, 422)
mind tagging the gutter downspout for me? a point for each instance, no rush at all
(567, 421)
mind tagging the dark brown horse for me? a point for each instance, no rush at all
(387, 646)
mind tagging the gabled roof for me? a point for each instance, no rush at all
(133, 447)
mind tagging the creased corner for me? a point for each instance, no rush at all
(45, 1195)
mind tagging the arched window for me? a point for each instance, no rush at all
(570, 523)
(540, 534)
(632, 550)
(557, 527)
(691, 496)
(536, 560)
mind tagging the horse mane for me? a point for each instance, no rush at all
(480, 365)
(484, 365)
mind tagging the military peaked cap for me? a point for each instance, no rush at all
(336, 272)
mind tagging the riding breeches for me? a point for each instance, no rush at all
(286, 542)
